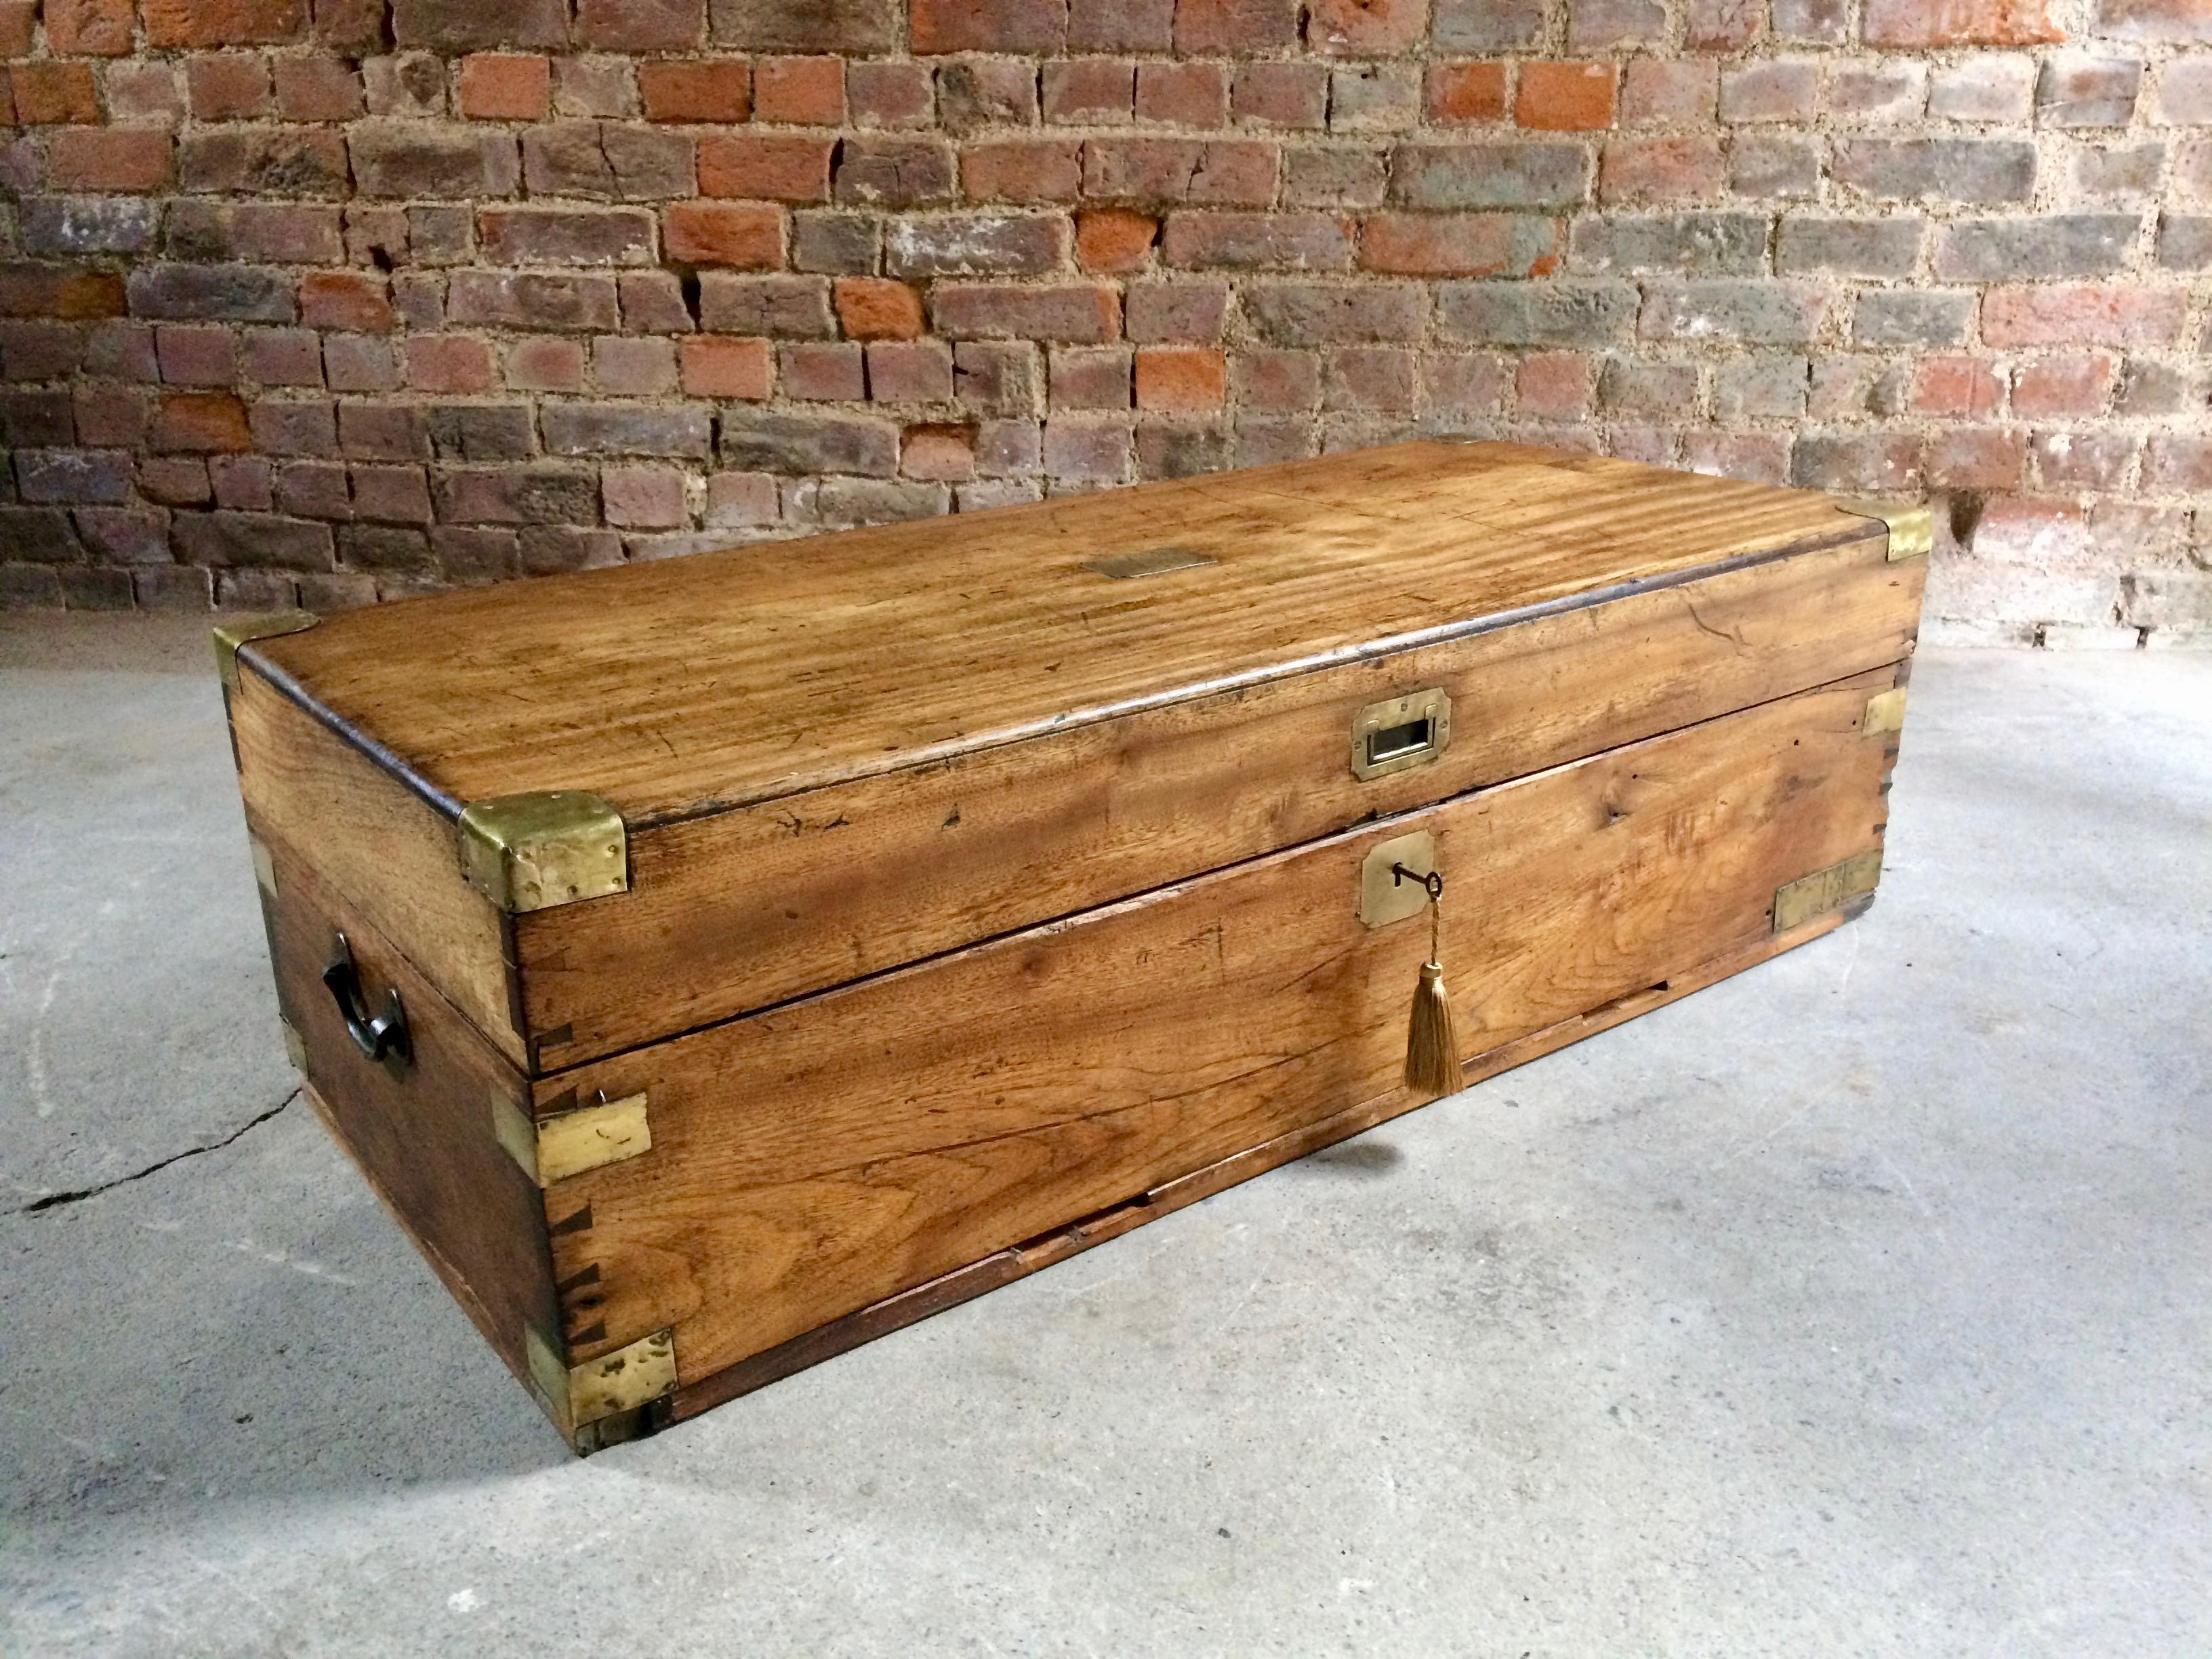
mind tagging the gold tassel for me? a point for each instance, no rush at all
(1432, 1067)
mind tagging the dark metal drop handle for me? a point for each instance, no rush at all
(379, 1038)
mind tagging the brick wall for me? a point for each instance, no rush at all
(329, 301)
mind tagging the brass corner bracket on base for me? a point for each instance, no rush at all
(532, 851)
(604, 1402)
(1810, 897)
(232, 632)
(1911, 525)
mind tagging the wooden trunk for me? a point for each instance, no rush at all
(793, 941)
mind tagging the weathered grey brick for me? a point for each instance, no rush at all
(608, 161)
(424, 158)
(481, 432)
(263, 160)
(854, 26)
(1901, 317)
(1496, 175)
(628, 428)
(767, 442)
(566, 236)
(76, 225)
(836, 244)
(998, 377)
(883, 172)
(1850, 247)
(2045, 245)
(840, 503)
(976, 245)
(1333, 175)
(1756, 314)
(1871, 461)
(517, 495)
(1968, 170)
(1516, 313)
(234, 294)
(38, 535)
(2074, 91)
(788, 307)
(1313, 313)
(1700, 244)
(67, 477)
(524, 299)
(1488, 25)
(1635, 386)
(2184, 241)
(1765, 384)
(254, 539)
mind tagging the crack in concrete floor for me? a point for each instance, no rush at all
(56, 1201)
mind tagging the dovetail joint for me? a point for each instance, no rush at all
(550, 1149)
(532, 851)
(234, 632)
(1810, 897)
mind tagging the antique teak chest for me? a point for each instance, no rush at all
(718, 963)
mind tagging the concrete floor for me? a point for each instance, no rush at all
(1860, 1305)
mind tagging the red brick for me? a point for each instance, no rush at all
(2063, 385)
(1566, 97)
(889, 94)
(1183, 94)
(230, 86)
(1661, 170)
(1956, 385)
(448, 363)
(545, 365)
(909, 371)
(1277, 382)
(803, 91)
(1554, 386)
(1376, 378)
(1077, 312)
(705, 89)
(1234, 27)
(50, 94)
(1022, 170)
(1091, 377)
(1459, 93)
(765, 166)
(1960, 24)
(351, 301)
(134, 160)
(18, 18)
(1172, 171)
(876, 308)
(1007, 26)
(644, 497)
(2082, 314)
(1365, 28)
(1280, 94)
(1460, 244)
(1661, 91)
(199, 423)
(502, 86)
(1181, 379)
(941, 454)
(822, 371)
(744, 236)
(640, 25)
(1976, 458)
(317, 89)
(1089, 92)
(1724, 24)
(80, 28)
(1115, 239)
(720, 366)
(196, 355)
(223, 22)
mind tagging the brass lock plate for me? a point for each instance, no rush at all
(1385, 897)
(1401, 733)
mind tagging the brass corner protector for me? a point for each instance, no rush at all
(232, 632)
(1911, 525)
(1810, 897)
(295, 1046)
(577, 1397)
(550, 1149)
(1885, 712)
(532, 851)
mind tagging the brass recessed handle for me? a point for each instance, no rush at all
(381, 1037)
(1399, 733)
